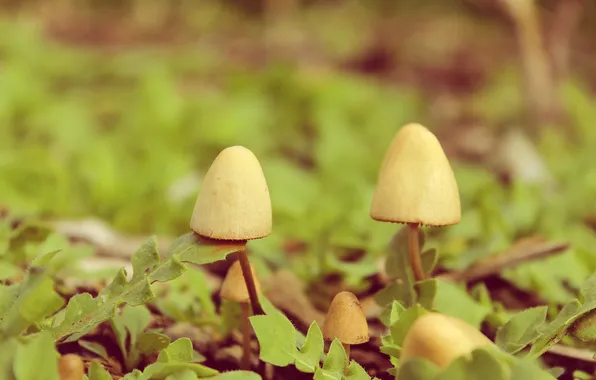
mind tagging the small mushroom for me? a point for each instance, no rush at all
(234, 204)
(346, 321)
(416, 185)
(441, 339)
(71, 367)
(234, 289)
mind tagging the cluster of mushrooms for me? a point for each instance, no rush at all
(416, 186)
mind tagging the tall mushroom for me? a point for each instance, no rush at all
(234, 289)
(234, 204)
(416, 186)
(441, 339)
(346, 321)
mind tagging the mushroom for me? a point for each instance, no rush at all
(234, 289)
(441, 339)
(71, 367)
(234, 204)
(416, 185)
(346, 321)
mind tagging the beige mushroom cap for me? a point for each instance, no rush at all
(71, 367)
(234, 288)
(416, 183)
(441, 339)
(345, 320)
(234, 202)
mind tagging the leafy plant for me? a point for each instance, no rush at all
(281, 346)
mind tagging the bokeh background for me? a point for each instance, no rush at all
(114, 110)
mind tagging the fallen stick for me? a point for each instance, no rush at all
(518, 254)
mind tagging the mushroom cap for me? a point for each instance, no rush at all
(441, 339)
(345, 320)
(234, 201)
(234, 288)
(71, 367)
(416, 183)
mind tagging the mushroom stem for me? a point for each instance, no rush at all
(347, 350)
(250, 283)
(245, 335)
(414, 249)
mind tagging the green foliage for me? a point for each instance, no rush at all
(27, 303)
(403, 288)
(521, 330)
(41, 347)
(84, 312)
(129, 327)
(176, 360)
(482, 363)
(280, 345)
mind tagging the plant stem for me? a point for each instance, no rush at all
(245, 336)
(414, 249)
(347, 350)
(250, 283)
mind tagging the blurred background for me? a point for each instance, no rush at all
(114, 110)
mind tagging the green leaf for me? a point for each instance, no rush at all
(160, 370)
(152, 342)
(98, 372)
(524, 370)
(41, 348)
(309, 356)
(426, 291)
(199, 250)
(96, 348)
(238, 375)
(277, 338)
(356, 372)
(179, 351)
(429, 259)
(27, 303)
(334, 364)
(481, 365)
(145, 259)
(8, 349)
(555, 330)
(171, 269)
(400, 328)
(418, 369)
(521, 330)
(453, 300)
(183, 375)
(391, 313)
